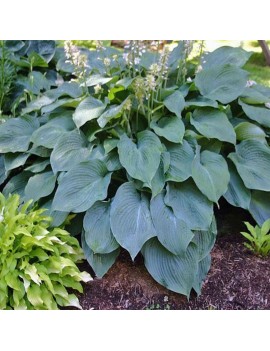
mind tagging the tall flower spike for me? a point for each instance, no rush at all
(78, 60)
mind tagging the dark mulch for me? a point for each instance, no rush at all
(237, 279)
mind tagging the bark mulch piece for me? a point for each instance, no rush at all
(237, 279)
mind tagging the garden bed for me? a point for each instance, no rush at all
(237, 279)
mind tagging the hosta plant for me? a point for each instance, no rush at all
(258, 238)
(141, 146)
(37, 264)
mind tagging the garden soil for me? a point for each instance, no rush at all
(237, 280)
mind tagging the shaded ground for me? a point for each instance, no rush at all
(237, 279)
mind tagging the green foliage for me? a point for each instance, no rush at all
(141, 147)
(258, 238)
(37, 264)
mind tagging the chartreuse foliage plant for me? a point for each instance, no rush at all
(258, 238)
(37, 264)
(140, 146)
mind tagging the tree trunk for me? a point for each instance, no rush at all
(265, 50)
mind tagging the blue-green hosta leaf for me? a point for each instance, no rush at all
(38, 166)
(70, 150)
(114, 111)
(237, 194)
(17, 184)
(131, 220)
(15, 133)
(3, 173)
(45, 48)
(226, 55)
(203, 268)
(181, 157)
(257, 113)
(97, 79)
(100, 263)
(202, 101)
(189, 204)
(175, 272)
(210, 174)
(40, 151)
(125, 82)
(49, 134)
(175, 103)
(252, 160)
(260, 206)
(252, 96)
(141, 160)
(90, 108)
(15, 160)
(37, 104)
(205, 240)
(97, 228)
(112, 161)
(213, 123)
(82, 186)
(71, 89)
(40, 185)
(172, 232)
(158, 182)
(58, 217)
(171, 128)
(246, 130)
(223, 83)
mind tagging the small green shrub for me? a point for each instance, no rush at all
(36, 264)
(259, 238)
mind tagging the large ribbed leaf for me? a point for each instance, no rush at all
(16, 184)
(224, 83)
(181, 157)
(252, 96)
(210, 173)
(15, 160)
(70, 150)
(158, 182)
(172, 232)
(205, 240)
(175, 272)
(226, 54)
(202, 101)
(257, 113)
(131, 220)
(260, 206)
(98, 234)
(40, 185)
(114, 111)
(171, 128)
(82, 186)
(252, 160)
(203, 269)
(90, 108)
(3, 173)
(213, 123)
(100, 263)
(175, 103)
(58, 217)
(141, 160)
(15, 133)
(237, 194)
(49, 134)
(246, 130)
(189, 204)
